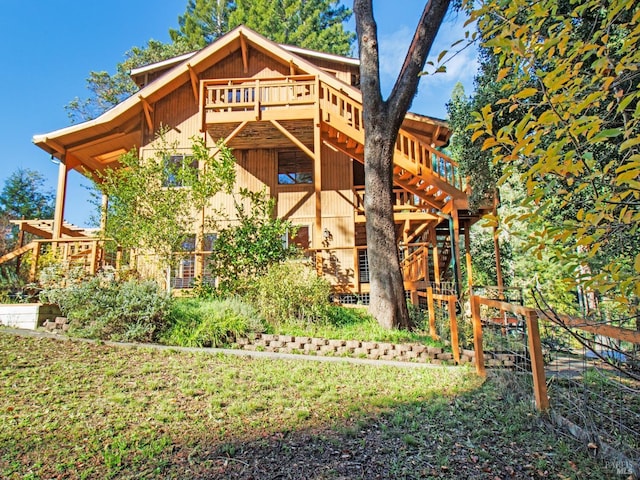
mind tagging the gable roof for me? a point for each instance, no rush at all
(93, 144)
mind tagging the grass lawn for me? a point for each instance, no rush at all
(82, 410)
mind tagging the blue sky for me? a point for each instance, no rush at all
(50, 47)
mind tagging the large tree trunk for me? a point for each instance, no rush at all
(387, 299)
(382, 120)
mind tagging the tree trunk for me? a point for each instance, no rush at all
(382, 120)
(387, 298)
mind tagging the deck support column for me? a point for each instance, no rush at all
(61, 194)
(455, 247)
(317, 183)
(433, 239)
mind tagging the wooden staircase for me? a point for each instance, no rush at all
(418, 167)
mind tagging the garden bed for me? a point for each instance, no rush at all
(26, 315)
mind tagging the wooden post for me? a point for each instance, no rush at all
(432, 314)
(34, 262)
(415, 300)
(477, 335)
(436, 255)
(104, 208)
(453, 321)
(20, 245)
(455, 242)
(537, 362)
(94, 257)
(61, 193)
(317, 172)
(467, 249)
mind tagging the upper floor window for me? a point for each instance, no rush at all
(179, 170)
(294, 168)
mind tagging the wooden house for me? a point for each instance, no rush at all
(293, 118)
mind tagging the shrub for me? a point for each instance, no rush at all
(196, 322)
(291, 291)
(103, 308)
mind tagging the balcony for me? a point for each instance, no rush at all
(238, 100)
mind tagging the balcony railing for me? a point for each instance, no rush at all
(233, 99)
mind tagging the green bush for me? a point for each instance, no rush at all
(291, 291)
(101, 307)
(196, 322)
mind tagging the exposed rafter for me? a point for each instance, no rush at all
(148, 110)
(194, 82)
(245, 53)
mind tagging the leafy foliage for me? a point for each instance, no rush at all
(291, 291)
(250, 244)
(104, 308)
(569, 72)
(211, 322)
(143, 213)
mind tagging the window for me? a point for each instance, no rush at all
(294, 168)
(179, 170)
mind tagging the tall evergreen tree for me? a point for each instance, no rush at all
(313, 24)
(23, 196)
(203, 22)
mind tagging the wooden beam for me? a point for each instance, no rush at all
(317, 142)
(317, 166)
(619, 333)
(56, 146)
(477, 335)
(195, 82)
(147, 112)
(18, 251)
(292, 68)
(232, 135)
(537, 362)
(96, 141)
(61, 193)
(245, 53)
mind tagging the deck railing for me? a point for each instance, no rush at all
(242, 95)
(403, 201)
(412, 154)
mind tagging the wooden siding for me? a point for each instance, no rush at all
(177, 112)
(260, 66)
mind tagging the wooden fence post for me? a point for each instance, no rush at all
(34, 262)
(477, 335)
(455, 346)
(537, 362)
(432, 314)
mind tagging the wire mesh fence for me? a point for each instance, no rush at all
(591, 371)
(594, 385)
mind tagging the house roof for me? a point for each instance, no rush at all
(94, 144)
(171, 62)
